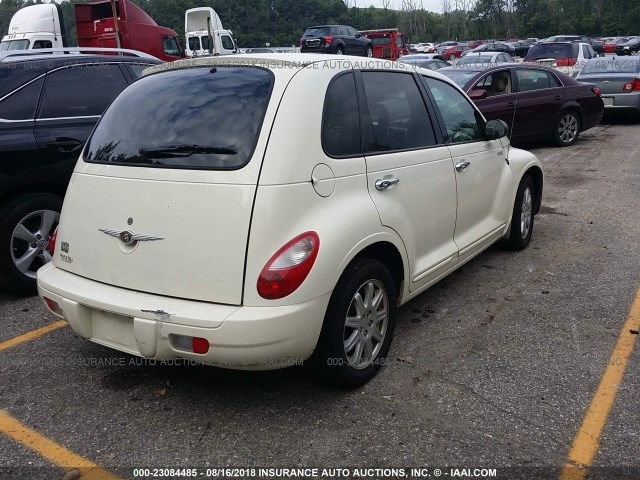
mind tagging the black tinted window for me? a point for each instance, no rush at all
(341, 123)
(462, 121)
(138, 68)
(22, 104)
(552, 50)
(81, 90)
(399, 118)
(190, 118)
(194, 43)
(535, 80)
(316, 32)
(170, 46)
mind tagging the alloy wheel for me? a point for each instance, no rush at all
(366, 324)
(30, 239)
(525, 212)
(568, 128)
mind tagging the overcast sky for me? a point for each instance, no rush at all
(432, 5)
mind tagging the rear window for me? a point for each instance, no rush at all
(612, 66)
(316, 32)
(460, 77)
(553, 50)
(199, 118)
(381, 41)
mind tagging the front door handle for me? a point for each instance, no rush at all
(384, 183)
(462, 166)
(65, 144)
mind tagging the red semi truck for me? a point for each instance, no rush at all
(388, 43)
(42, 26)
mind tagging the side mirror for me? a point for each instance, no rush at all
(358, 35)
(496, 129)
(478, 94)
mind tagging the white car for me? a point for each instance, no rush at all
(484, 59)
(248, 224)
(425, 47)
(566, 57)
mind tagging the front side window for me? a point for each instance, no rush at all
(81, 90)
(496, 83)
(227, 43)
(341, 121)
(22, 104)
(170, 46)
(399, 117)
(208, 119)
(400, 41)
(462, 122)
(42, 44)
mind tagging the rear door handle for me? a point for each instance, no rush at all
(384, 183)
(559, 97)
(462, 166)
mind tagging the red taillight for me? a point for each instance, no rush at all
(328, 39)
(289, 267)
(200, 345)
(51, 246)
(631, 86)
(596, 90)
(566, 62)
(54, 307)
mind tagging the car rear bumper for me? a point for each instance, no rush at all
(146, 325)
(622, 101)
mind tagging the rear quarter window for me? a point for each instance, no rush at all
(196, 118)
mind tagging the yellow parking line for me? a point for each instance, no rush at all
(586, 443)
(53, 452)
(31, 335)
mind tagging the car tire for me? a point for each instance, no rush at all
(452, 57)
(38, 214)
(567, 129)
(349, 354)
(339, 51)
(522, 218)
(369, 52)
(633, 52)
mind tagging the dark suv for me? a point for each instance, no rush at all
(597, 46)
(335, 39)
(49, 104)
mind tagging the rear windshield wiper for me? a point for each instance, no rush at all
(168, 151)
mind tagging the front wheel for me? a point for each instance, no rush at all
(452, 57)
(568, 129)
(26, 225)
(522, 219)
(358, 325)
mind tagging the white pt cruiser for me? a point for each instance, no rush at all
(253, 212)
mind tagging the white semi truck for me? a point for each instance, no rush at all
(205, 35)
(37, 26)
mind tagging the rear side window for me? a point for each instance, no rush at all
(399, 118)
(529, 80)
(42, 44)
(22, 104)
(82, 90)
(206, 119)
(341, 121)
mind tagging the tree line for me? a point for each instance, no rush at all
(282, 22)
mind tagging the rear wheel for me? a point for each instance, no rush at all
(452, 57)
(369, 52)
(568, 129)
(522, 219)
(358, 325)
(633, 52)
(339, 51)
(26, 225)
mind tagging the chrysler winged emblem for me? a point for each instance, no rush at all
(128, 238)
